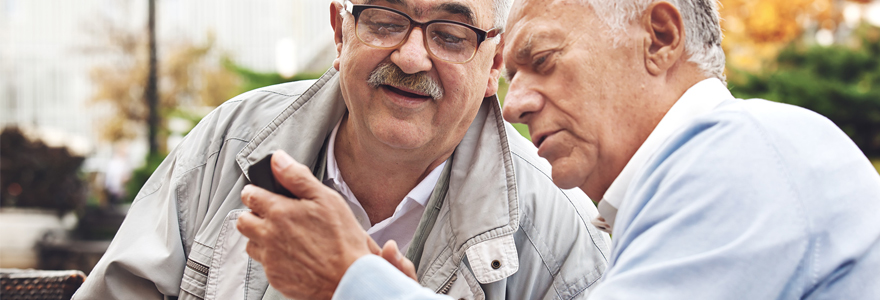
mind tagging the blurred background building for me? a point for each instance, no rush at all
(69, 71)
(73, 76)
(48, 49)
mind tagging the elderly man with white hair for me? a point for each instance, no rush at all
(707, 196)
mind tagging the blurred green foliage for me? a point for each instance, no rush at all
(841, 82)
(251, 79)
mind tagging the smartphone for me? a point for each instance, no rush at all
(261, 175)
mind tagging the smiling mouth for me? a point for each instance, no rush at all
(406, 93)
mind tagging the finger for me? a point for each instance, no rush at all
(374, 248)
(254, 250)
(296, 177)
(251, 226)
(391, 253)
(408, 268)
(260, 201)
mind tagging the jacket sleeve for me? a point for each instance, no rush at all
(146, 258)
(371, 277)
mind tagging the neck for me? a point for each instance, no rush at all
(380, 176)
(657, 96)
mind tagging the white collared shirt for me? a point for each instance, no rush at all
(401, 226)
(697, 100)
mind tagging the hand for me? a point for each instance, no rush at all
(393, 256)
(307, 244)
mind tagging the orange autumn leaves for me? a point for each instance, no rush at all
(755, 30)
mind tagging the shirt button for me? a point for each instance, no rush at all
(496, 264)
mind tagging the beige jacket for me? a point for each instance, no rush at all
(495, 227)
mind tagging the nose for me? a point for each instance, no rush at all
(521, 103)
(412, 57)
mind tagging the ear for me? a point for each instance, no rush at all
(336, 23)
(495, 71)
(664, 45)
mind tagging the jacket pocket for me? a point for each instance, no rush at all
(195, 275)
(219, 271)
(229, 262)
(463, 285)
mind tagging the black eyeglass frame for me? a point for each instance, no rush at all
(356, 9)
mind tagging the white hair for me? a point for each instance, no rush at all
(502, 9)
(701, 23)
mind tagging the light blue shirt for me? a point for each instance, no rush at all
(749, 199)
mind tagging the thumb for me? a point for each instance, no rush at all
(296, 177)
(392, 254)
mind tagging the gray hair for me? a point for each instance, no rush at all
(701, 23)
(502, 9)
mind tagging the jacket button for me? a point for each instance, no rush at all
(496, 264)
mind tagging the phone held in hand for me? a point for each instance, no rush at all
(261, 175)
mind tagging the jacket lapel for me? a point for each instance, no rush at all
(302, 127)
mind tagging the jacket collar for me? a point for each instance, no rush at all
(301, 128)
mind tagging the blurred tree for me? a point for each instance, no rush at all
(191, 75)
(756, 30)
(841, 82)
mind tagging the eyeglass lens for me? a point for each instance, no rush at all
(386, 29)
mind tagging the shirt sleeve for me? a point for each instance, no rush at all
(712, 216)
(371, 277)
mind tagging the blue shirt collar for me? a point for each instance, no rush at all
(701, 98)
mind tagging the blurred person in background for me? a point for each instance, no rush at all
(406, 134)
(707, 196)
(116, 175)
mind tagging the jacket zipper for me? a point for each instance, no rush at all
(446, 286)
(200, 268)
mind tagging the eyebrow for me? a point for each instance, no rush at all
(449, 7)
(458, 9)
(397, 2)
(521, 54)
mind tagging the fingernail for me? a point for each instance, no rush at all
(283, 159)
(396, 251)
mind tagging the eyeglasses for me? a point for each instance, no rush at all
(386, 28)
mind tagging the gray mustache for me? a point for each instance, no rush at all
(391, 74)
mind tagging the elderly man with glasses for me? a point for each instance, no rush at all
(405, 135)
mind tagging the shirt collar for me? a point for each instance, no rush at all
(697, 100)
(420, 194)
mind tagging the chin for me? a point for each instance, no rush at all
(566, 178)
(402, 139)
